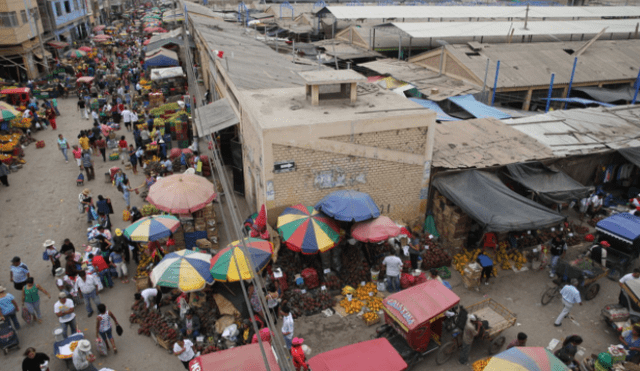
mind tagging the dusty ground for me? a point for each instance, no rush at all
(41, 204)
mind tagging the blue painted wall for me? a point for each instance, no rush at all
(68, 17)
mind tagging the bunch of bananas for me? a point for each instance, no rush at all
(345, 290)
(353, 306)
(374, 303)
(462, 259)
(518, 259)
(145, 260)
(158, 122)
(149, 209)
(481, 364)
(370, 317)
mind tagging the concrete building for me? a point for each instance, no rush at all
(21, 56)
(65, 20)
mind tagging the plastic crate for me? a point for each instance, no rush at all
(183, 143)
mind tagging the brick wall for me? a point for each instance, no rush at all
(394, 187)
(411, 140)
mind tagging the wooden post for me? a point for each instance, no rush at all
(315, 95)
(527, 100)
(354, 92)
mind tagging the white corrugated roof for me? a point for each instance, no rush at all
(482, 12)
(488, 29)
(583, 131)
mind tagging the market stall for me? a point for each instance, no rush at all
(170, 81)
(246, 357)
(161, 58)
(377, 354)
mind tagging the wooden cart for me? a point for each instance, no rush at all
(499, 318)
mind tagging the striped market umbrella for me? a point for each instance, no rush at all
(185, 270)
(7, 112)
(307, 230)
(152, 228)
(223, 264)
(75, 53)
(181, 193)
(525, 359)
(85, 49)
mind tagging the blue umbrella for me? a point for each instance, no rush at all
(349, 206)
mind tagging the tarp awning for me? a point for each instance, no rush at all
(377, 354)
(584, 102)
(550, 185)
(161, 57)
(478, 109)
(161, 43)
(632, 154)
(215, 117)
(623, 226)
(623, 94)
(440, 114)
(246, 358)
(492, 204)
(166, 73)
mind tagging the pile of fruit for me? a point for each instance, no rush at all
(8, 142)
(309, 303)
(595, 221)
(363, 293)
(7, 159)
(164, 108)
(370, 317)
(332, 282)
(149, 209)
(158, 122)
(502, 257)
(518, 259)
(462, 259)
(435, 258)
(355, 269)
(480, 364)
(374, 303)
(145, 260)
(152, 322)
(353, 306)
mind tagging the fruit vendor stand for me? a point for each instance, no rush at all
(377, 354)
(17, 96)
(246, 357)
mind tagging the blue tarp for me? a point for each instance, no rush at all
(162, 58)
(349, 206)
(622, 226)
(478, 109)
(582, 101)
(441, 115)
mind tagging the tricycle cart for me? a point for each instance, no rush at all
(584, 270)
(495, 318)
(17, 96)
(414, 319)
(622, 232)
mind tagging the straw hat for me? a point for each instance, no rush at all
(2, 289)
(84, 345)
(59, 272)
(48, 243)
(86, 191)
(62, 295)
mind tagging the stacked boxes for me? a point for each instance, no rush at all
(471, 276)
(205, 220)
(178, 236)
(452, 223)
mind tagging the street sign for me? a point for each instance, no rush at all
(283, 167)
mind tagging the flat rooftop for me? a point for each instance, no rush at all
(281, 108)
(331, 77)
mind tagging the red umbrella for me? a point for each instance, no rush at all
(146, 42)
(375, 230)
(261, 220)
(58, 44)
(85, 49)
(99, 28)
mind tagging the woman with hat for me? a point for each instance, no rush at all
(35, 361)
(52, 254)
(297, 354)
(31, 298)
(82, 356)
(85, 199)
(8, 307)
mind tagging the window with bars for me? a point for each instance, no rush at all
(8, 19)
(58, 8)
(23, 15)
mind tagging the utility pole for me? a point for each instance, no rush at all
(40, 34)
(526, 18)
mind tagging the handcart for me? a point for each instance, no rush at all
(63, 349)
(8, 337)
(584, 270)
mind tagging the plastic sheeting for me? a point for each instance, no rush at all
(584, 102)
(631, 154)
(623, 94)
(492, 204)
(161, 58)
(624, 226)
(478, 109)
(550, 185)
(440, 114)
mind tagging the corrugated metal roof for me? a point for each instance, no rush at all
(440, 114)
(478, 109)
(423, 30)
(478, 12)
(482, 143)
(583, 131)
(525, 65)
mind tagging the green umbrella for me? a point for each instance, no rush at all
(7, 112)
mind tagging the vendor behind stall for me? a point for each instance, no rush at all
(598, 253)
(487, 267)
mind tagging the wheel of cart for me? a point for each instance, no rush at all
(62, 349)
(8, 337)
(584, 270)
(499, 318)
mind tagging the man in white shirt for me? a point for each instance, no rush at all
(64, 310)
(570, 297)
(150, 296)
(184, 350)
(394, 268)
(121, 91)
(287, 325)
(622, 298)
(89, 286)
(595, 207)
(26, 114)
(126, 117)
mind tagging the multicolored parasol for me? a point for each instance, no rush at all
(75, 53)
(152, 228)
(307, 230)
(7, 112)
(375, 230)
(181, 193)
(223, 264)
(185, 270)
(525, 359)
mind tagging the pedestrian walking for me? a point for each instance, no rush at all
(87, 164)
(96, 117)
(4, 172)
(35, 361)
(82, 357)
(287, 325)
(104, 328)
(101, 267)
(54, 102)
(101, 144)
(126, 117)
(133, 159)
(570, 297)
(183, 348)
(88, 285)
(471, 330)
(82, 107)
(558, 250)
(19, 272)
(31, 298)
(64, 147)
(117, 260)
(8, 308)
(297, 355)
(52, 255)
(77, 154)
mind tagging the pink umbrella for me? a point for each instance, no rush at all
(85, 49)
(85, 79)
(375, 230)
(99, 28)
(155, 29)
(102, 37)
(181, 193)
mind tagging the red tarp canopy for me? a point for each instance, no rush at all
(246, 358)
(418, 304)
(15, 91)
(369, 355)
